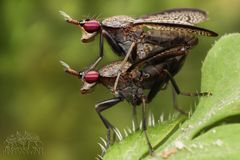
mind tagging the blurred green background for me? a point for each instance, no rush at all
(38, 97)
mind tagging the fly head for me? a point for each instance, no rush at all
(90, 29)
(89, 79)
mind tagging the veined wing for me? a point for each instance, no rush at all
(161, 56)
(177, 27)
(188, 16)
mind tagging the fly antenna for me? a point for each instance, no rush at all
(65, 16)
(68, 18)
(69, 70)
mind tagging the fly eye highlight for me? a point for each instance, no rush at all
(91, 76)
(91, 26)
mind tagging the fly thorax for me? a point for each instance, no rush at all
(132, 93)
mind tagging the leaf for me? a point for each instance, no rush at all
(215, 144)
(203, 136)
(134, 146)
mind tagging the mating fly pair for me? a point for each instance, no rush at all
(136, 39)
(154, 48)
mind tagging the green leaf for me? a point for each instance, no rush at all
(214, 144)
(203, 136)
(134, 146)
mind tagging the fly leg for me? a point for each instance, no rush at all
(164, 87)
(178, 91)
(175, 105)
(144, 125)
(103, 106)
(122, 65)
(100, 55)
(103, 34)
(154, 90)
(134, 116)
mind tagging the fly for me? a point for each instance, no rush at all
(135, 78)
(139, 38)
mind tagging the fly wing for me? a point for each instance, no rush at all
(183, 28)
(155, 41)
(188, 16)
(160, 57)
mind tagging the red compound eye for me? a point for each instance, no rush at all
(91, 26)
(91, 76)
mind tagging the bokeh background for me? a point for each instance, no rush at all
(39, 98)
